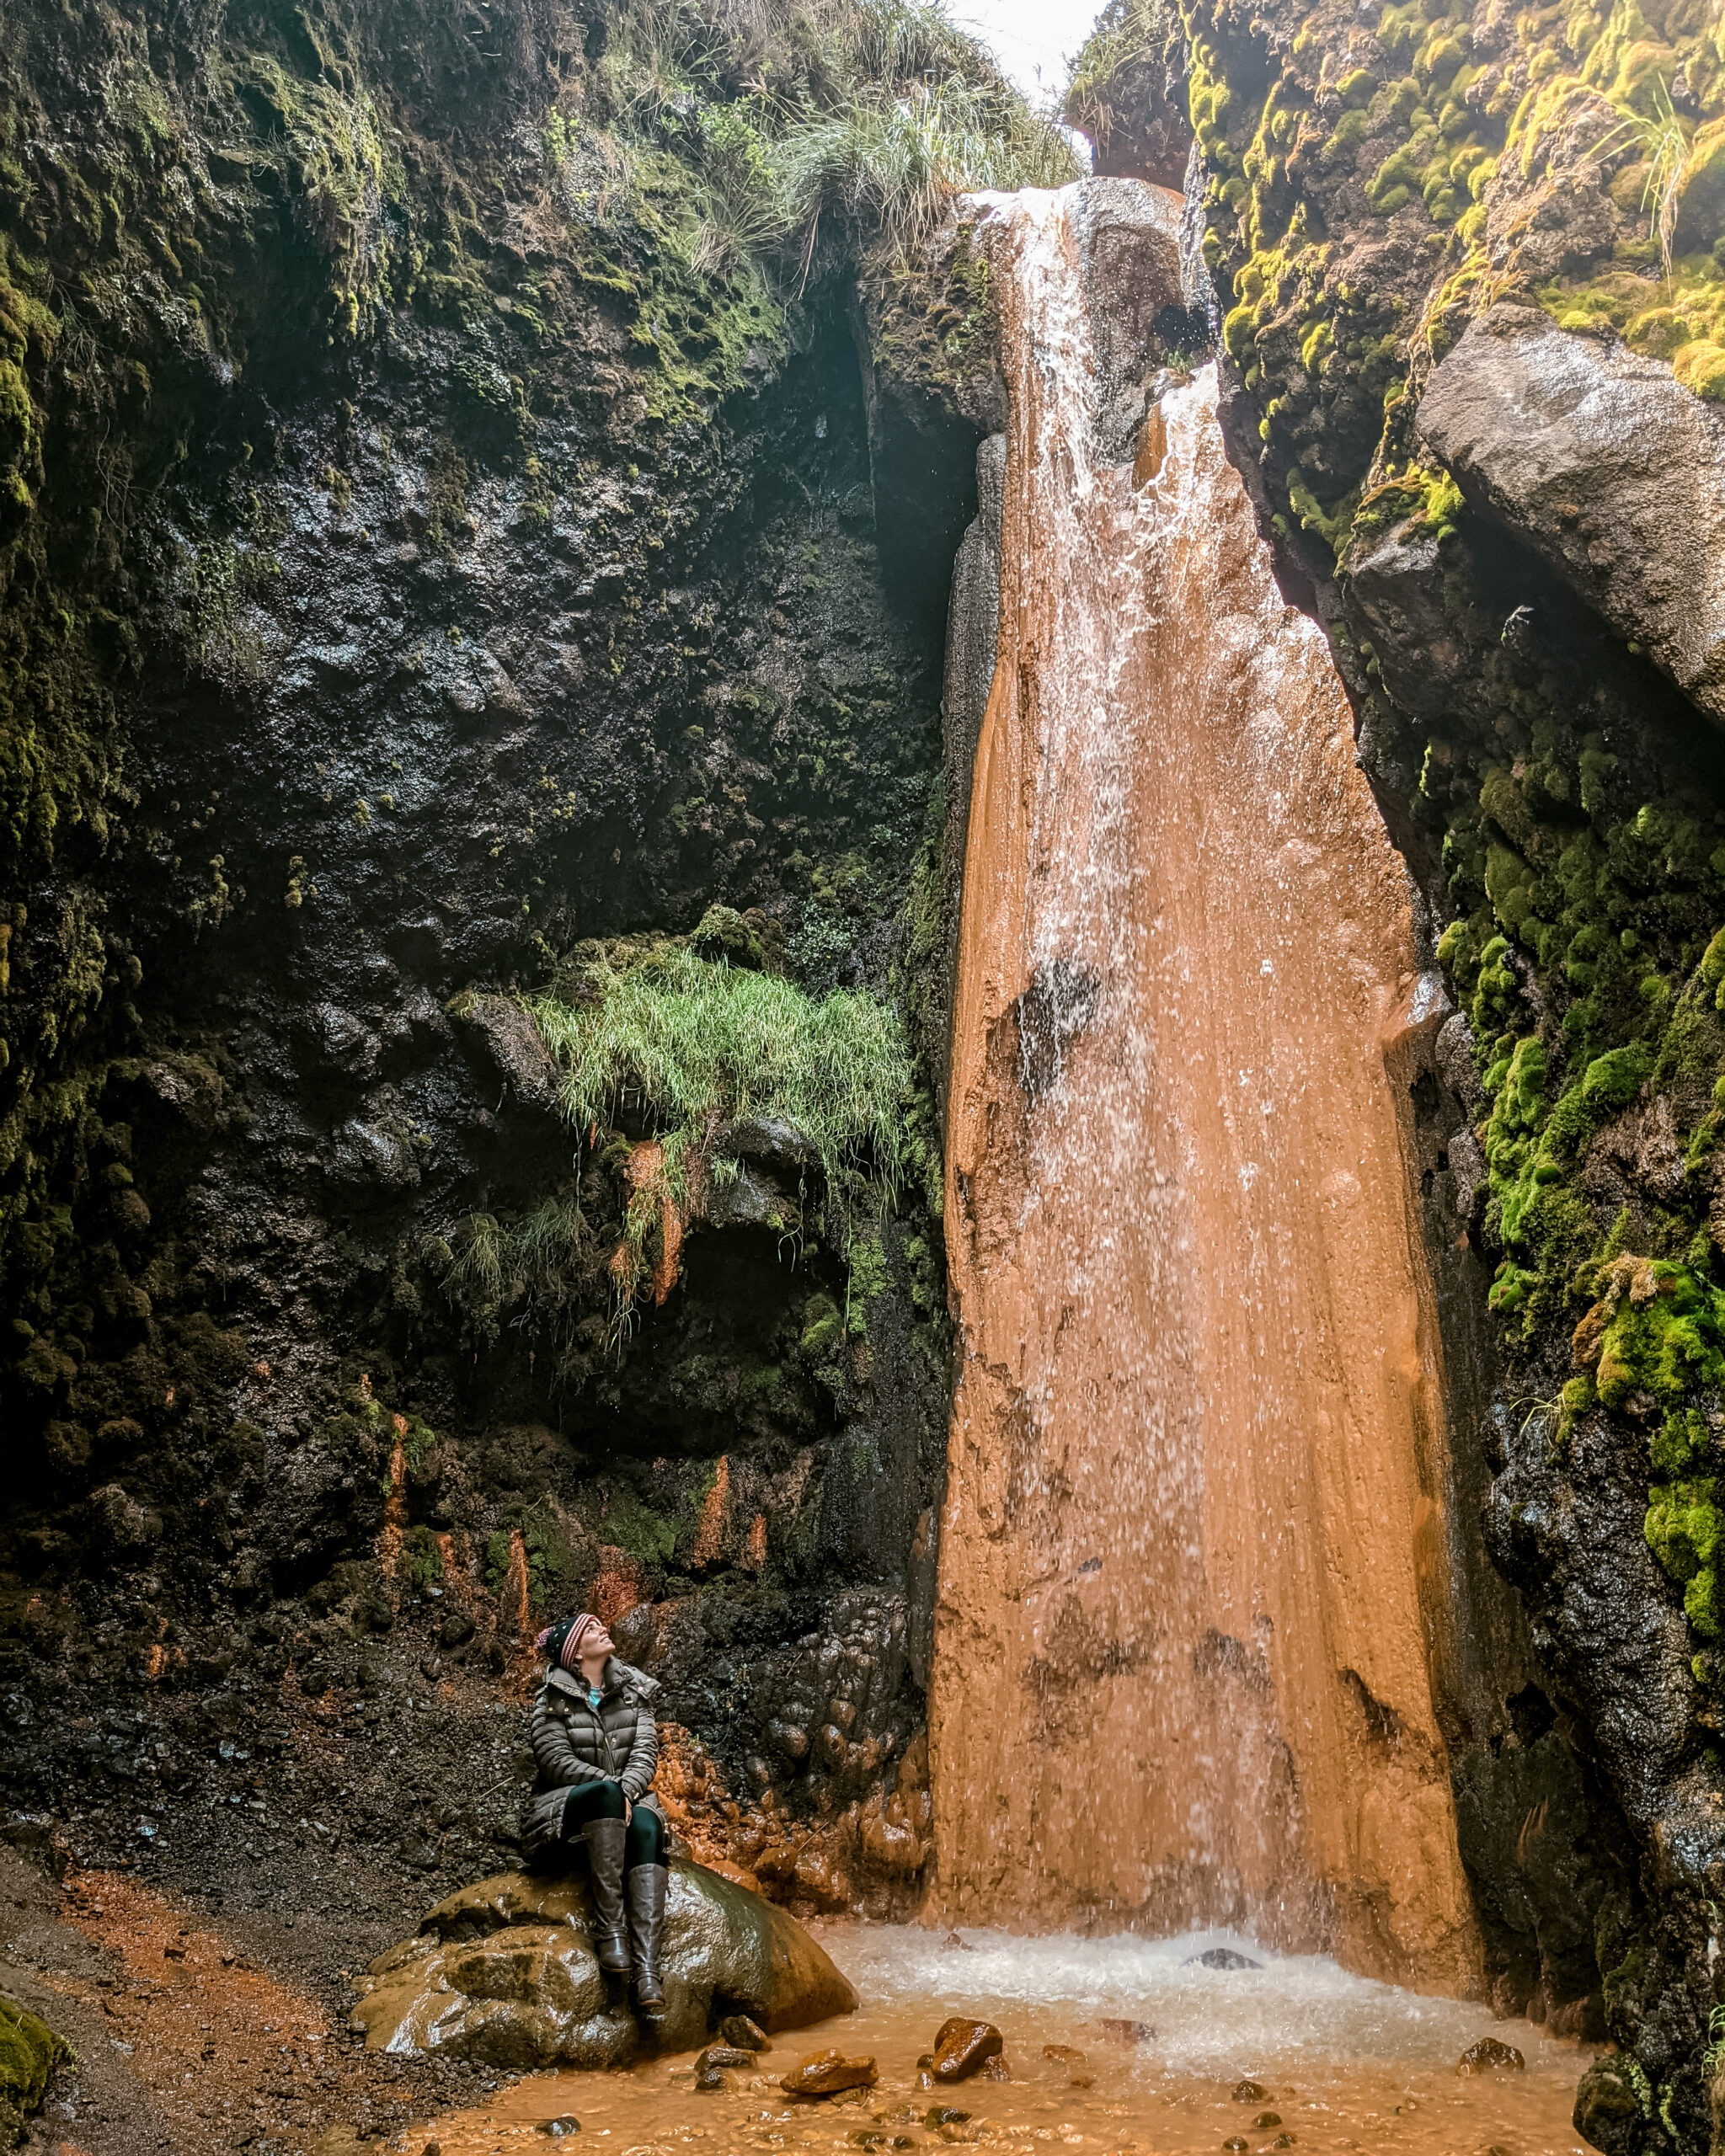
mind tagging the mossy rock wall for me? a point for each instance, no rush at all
(419, 561)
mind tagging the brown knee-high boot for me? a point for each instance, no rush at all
(605, 1859)
(646, 1884)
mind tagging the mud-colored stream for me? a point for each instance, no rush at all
(1349, 2064)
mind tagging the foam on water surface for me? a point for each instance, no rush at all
(1296, 2009)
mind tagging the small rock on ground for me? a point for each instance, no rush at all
(723, 2055)
(962, 2047)
(1127, 2032)
(1488, 2056)
(826, 2073)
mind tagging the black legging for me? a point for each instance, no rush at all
(644, 1843)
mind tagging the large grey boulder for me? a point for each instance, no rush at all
(1611, 469)
(504, 1973)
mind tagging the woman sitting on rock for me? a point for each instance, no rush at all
(596, 1745)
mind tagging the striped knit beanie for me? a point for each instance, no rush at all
(561, 1643)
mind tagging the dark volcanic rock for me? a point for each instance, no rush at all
(962, 2048)
(436, 657)
(1612, 469)
(1490, 2056)
(829, 2073)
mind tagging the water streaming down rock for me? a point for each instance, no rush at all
(1191, 1574)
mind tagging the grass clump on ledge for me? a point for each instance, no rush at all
(687, 1047)
(693, 1045)
(808, 126)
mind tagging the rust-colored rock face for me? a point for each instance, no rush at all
(1193, 1548)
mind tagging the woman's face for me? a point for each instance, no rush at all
(597, 1646)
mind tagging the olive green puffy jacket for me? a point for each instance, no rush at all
(573, 1743)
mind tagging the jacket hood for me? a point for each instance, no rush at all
(619, 1677)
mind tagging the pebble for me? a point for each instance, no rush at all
(707, 2079)
(961, 2046)
(826, 2073)
(746, 2034)
(1266, 2119)
(1251, 2092)
(1488, 2056)
(1129, 2032)
(1236, 2141)
(943, 2114)
(723, 2055)
(559, 2128)
(1222, 1957)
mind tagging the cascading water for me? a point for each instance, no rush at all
(1182, 1668)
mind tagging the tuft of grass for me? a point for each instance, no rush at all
(475, 1274)
(890, 166)
(692, 1044)
(1136, 51)
(1662, 141)
(806, 120)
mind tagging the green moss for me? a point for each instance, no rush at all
(422, 1558)
(29, 2051)
(633, 1526)
(498, 1549)
(1423, 496)
(822, 1329)
(1607, 907)
(933, 314)
(868, 1279)
(1683, 1526)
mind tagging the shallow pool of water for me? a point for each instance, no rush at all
(1347, 2064)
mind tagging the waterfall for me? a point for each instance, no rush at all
(1190, 1599)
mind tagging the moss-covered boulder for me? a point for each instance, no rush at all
(505, 1971)
(29, 2051)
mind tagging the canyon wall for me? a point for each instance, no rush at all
(418, 580)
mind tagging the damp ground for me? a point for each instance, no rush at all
(1121, 2047)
